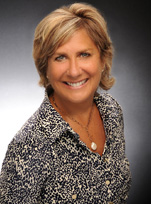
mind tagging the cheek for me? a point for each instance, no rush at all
(56, 71)
(52, 72)
(95, 69)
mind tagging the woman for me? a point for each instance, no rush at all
(72, 149)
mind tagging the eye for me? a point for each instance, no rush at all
(60, 58)
(84, 54)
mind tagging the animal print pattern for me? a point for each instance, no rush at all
(47, 163)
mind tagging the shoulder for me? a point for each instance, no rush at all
(29, 136)
(33, 128)
(29, 128)
(43, 126)
(30, 144)
(108, 104)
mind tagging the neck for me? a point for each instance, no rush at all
(78, 111)
(83, 121)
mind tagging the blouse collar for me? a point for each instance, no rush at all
(55, 125)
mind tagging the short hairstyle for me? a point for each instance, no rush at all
(56, 29)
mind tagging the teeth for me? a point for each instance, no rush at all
(76, 84)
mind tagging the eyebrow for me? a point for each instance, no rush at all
(80, 51)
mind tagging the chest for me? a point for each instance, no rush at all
(79, 175)
(94, 132)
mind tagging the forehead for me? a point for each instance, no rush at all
(78, 39)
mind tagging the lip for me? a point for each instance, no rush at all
(77, 84)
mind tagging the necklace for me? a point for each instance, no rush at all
(93, 144)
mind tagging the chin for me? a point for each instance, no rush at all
(80, 98)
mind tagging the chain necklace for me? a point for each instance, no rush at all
(93, 144)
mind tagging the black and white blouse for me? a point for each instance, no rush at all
(46, 162)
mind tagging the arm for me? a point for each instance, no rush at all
(21, 175)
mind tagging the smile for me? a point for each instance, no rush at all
(76, 84)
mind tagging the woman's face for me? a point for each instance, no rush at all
(74, 71)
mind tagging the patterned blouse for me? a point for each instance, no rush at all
(46, 162)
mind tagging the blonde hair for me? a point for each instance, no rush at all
(56, 28)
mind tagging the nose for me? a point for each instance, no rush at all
(74, 69)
